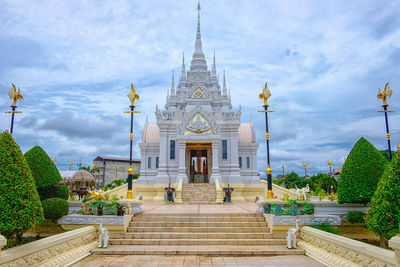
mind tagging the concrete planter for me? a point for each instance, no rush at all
(280, 224)
(111, 222)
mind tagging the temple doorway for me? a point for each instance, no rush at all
(198, 162)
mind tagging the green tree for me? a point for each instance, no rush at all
(361, 173)
(385, 153)
(44, 171)
(323, 181)
(20, 206)
(383, 217)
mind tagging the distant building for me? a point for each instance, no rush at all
(111, 168)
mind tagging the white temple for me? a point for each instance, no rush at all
(198, 137)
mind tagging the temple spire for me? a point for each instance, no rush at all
(214, 69)
(173, 84)
(224, 90)
(198, 60)
(183, 70)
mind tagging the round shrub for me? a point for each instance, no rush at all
(44, 171)
(20, 207)
(361, 173)
(58, 191)
(383, 216)
(55, 208)
(355, 216)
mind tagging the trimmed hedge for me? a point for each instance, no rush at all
(361, 173)
(20, 207)
(383, 216)
(355, 216)
(44, 171)
(58, 191)
(55, 208)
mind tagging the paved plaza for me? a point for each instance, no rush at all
(144, 260)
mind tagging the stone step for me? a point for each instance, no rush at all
(198, 229)
(196, 224)
(178, 235)
(265, 250)
(187, 214)
(200, 242)
(200, 219)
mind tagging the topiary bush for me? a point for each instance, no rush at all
(55, 208)
(383, 217)
(44, 171)
(58, 191)
(355, 216)
(360, 174)
(20, 207)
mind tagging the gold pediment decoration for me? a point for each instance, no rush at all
(198, 93)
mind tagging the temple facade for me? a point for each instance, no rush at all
(198, 136)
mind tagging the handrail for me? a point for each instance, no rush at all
(219, 192)
(178, 191)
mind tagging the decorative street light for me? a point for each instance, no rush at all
(305, 165)
(330, 163)
(264, 96)
(70, 164)
(283, 170)
(54, 159)
(398, 146)
(132, 97)
(387, 92)
(15, 96)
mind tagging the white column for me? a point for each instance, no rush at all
(215, 163)
(162, 176)
(182, 159)
(233, 151)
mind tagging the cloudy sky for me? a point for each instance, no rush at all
(324, 62)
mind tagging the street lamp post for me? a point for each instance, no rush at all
(387, 92)
(15, 96)
(305, 165)
(330, 163)
(264, 96)
(116, 171)
(132, 97)
(70, 164)
(54, 159)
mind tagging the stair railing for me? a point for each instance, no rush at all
(219, 192)
(178, 191)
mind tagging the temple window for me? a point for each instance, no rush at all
(224, 149)
(172, 149)
(157, 162)
(149, 162)
(240, 162)
(248, 162)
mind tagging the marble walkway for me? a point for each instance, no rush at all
(189, 261)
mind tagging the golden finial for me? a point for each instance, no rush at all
(198, 5)
(133, 96)
(70, 164)
(54, 159)
(330, 163)
(14, 95)
(387, 92)
(398, 146)
(265, 94)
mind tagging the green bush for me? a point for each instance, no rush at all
(20, 207)
(327, 227)
(355, 216)
(383, 217)
(58, 191)
(43, 169)
(361, 173)
(55, 208)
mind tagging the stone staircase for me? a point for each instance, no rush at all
(205, 234)
(198, 193)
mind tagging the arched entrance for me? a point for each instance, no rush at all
(198, 162)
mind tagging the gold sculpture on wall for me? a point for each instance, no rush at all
(387, 92)
(265, 94)
(14, 95)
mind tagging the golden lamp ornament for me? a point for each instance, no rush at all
(14, 95)
(133, 96)
(387, 92)
(265, 94)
